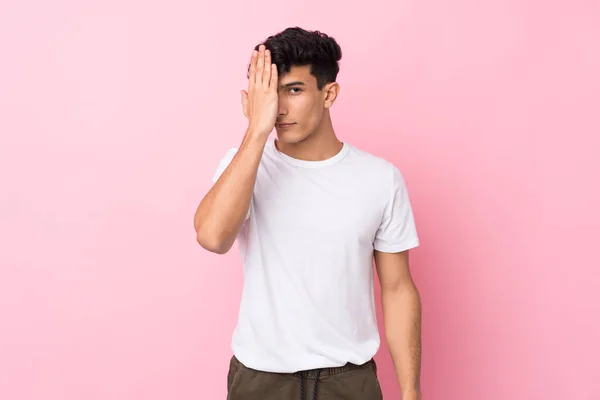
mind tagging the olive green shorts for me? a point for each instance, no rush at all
(349, 382)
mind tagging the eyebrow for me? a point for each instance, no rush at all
(287, 85)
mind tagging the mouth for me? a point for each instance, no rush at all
(284, 125)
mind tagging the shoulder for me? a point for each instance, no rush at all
(377, 173)
(372, 165)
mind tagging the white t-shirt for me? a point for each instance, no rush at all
(307, 252)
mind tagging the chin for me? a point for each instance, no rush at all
(287, 136)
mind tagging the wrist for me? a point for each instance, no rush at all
(255, 137)
(256, 132)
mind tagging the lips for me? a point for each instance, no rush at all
(284, 125)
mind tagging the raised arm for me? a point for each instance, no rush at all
(223, 209)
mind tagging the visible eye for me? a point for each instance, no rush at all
(298, 90)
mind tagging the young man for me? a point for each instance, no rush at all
(310, 213)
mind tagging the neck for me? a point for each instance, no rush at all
(320, 145)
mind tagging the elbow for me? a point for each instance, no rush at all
(212, 243)
(404, 288)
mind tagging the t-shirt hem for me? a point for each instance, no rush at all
(396, 248)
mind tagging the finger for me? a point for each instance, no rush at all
(267, 71)
(252, 72)
(274, 77)
(245, 103)
(260, 64)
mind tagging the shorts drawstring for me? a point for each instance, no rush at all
(314, 396)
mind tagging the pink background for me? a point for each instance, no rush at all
(114, 115)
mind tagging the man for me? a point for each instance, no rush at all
(310, 213)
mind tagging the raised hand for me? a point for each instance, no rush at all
(260, 102)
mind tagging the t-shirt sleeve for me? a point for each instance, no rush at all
(223, 164)
(397, 231)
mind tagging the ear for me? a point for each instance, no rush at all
(331, 91)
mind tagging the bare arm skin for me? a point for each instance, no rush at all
(401, 306)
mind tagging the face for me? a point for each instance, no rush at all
(301, 104)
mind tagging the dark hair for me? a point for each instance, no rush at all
(297, 47)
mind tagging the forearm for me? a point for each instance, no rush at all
(222, 212)
(402, 319)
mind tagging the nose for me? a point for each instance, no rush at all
(282, 110)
